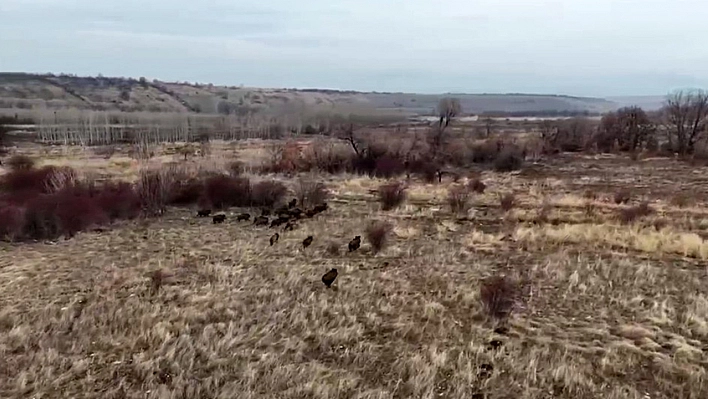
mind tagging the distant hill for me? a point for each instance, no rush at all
(649, 103)
(20, 90)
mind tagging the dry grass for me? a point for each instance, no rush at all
(178, 307)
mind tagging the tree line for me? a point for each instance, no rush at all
(678, 127)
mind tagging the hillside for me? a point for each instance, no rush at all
(19, 90)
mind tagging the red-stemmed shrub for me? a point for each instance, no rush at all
(28, 180)
(392, 195)
(20, 162)
(498, 294)
(41, 219)
(508, 160)
(154, 189)
(77, 210)
(224, 191)
(268, 193)
(377, 234)
(387, 166)
(458, 198)
(186, 192)
(427, 170)
(310, 192)
(12, 221)
(118, 201)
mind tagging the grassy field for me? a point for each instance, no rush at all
(602, 309)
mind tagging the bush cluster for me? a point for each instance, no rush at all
(49, 202)
(388, 157)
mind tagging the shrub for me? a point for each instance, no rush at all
(544, 212)
(118, 201)
(507, 202)
(392, 195)
(629, 215)
(59, 178)
(388, 167)
(309, 192)
(589, 208)
(458, 197)
(477, 186)
(659, 224)
(377, 234)
(282, 158)
(28, 181)
(223, 191)
(333, 248)
(644, 209)
(427, 170)
(590, 195)
(485, 152)
(681, 200)
(235, 168)
(328, 157)
(498, 294)
(186, 192)
(105, 151)
(153, 189)
(268, 193)
(12, 221)
(622, 196)
(508, 160)
(20, 162)
(76, 210)
(40, 218)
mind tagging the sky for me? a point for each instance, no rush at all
(576, 47)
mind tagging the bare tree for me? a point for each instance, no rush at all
(685, 114)
(347, 133)
(626, 129)
(448, 108)
(569, 135)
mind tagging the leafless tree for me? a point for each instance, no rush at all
(347, 132)
(489, 125)
(685, 115)
(626, 129)
(448, 108)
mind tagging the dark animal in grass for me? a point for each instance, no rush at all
(265, 212)
(485, 370)
(329, 277)
(290, 226)
(243, 217)
(494, 344)
(278, 222)
(310, 213)
(354, 244)
(296, 213)
(203, 213)
(293, 203)
(261, 221)
(218, 218)
(501, 330)
(307, 241)
(320, 208)
(282, 211)
(274, 238)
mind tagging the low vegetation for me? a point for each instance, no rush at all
(466, 274)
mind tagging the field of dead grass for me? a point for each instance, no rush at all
(604, 309)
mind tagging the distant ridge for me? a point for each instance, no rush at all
(24, 90)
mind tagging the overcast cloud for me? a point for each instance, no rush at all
(578, 47)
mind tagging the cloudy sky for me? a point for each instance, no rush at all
(577, 47)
